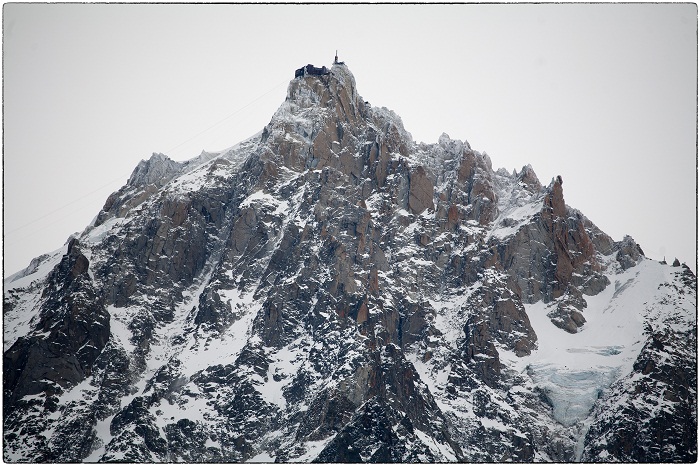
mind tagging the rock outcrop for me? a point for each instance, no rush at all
(330, 290)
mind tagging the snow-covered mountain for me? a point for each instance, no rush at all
(330, 290)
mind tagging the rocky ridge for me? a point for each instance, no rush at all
(330, 290)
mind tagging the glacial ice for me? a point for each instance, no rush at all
(573, 371)
(572, 393)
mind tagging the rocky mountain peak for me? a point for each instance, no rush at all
(555, 199)
(331, 290)
(528, 177)
(334, 90)
(157, 170)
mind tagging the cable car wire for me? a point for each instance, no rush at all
(31, 222)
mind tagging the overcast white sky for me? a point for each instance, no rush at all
(604, 95)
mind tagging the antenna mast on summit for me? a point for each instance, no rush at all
(336, 57)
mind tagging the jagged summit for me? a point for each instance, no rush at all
(158, 169)
(330, 290)
(336, 83)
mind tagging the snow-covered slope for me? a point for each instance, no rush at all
(330, 290)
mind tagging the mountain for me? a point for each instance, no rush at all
(330, 290)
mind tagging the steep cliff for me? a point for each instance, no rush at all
(330, 290)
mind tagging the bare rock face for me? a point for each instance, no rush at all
(629, 253)
(331, 290)
(474, 179)
(420, 194)
(567, 314)
(573, 249)
(528, 178)
(66, 341)
(369, 435)
(552, 255)
(157, 170)
(61, 350)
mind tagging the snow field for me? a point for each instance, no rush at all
(574, 370)
(283, 366)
